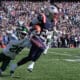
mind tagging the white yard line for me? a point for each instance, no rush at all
(63, 53)
(72, 60)
(69, 60)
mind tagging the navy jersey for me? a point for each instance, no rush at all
(46, 30)
(43, 21)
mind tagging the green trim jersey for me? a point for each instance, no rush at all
(15, 46)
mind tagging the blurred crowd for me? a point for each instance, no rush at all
(66, 32)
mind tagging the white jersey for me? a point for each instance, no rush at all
(15, 46)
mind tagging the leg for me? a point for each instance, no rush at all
(34, 54)
(46, 50)
(23, 61)
(5, 61)
(37, 54)
(29, 57)
(5, 64)
(1, 57)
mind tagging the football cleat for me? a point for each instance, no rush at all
(11, 73)
(30, 67)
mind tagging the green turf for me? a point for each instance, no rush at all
(49, 67)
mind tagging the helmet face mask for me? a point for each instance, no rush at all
(21, 33)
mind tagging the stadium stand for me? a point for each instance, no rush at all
(67, 31)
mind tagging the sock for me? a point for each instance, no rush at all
(0, 71)
(31, 65)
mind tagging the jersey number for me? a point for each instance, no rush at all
(16, 49)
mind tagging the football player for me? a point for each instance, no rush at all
(54, 20)
(13, 48)
(40, 29)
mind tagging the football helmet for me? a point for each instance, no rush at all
(51, 11)
(21, 32)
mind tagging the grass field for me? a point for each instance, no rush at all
(58, 64)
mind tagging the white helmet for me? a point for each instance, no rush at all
(53, 9)
(50, 11)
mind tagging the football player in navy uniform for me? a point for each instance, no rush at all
(41, 28)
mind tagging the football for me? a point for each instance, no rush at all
(37, 28)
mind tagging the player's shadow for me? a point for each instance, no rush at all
(16, 77)
(7, 75)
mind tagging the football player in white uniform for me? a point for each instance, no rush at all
(12, 49)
